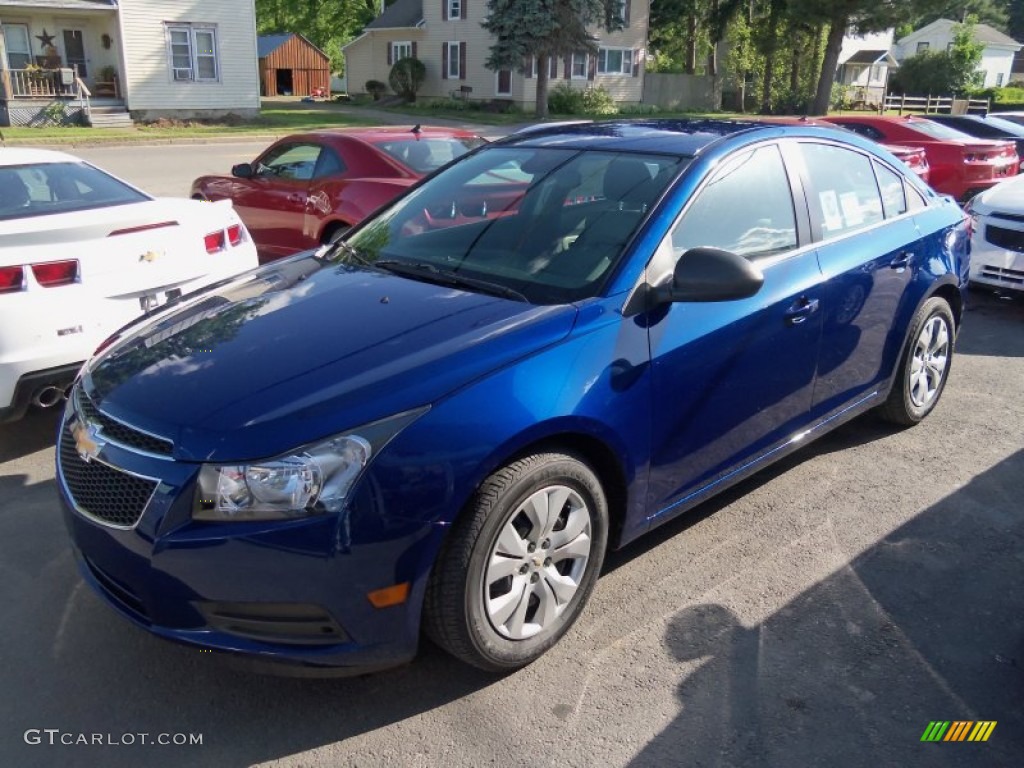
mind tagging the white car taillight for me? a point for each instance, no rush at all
(54, 273)
(11, 279)
(214, 242)
(235, 236)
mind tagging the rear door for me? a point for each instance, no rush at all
(868, 253)
(733, 379)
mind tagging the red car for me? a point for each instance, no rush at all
(961, 165)
(914, 158)
(308, 188)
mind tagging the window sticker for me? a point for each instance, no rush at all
(851, 209)
(830, 210)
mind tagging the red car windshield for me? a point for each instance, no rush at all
(427, 155)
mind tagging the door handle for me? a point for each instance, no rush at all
(902, 261)
(801, 310)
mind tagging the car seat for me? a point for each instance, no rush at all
(13, 191)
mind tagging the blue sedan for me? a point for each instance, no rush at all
(546, 349)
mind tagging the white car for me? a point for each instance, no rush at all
(997, 245)
(83, 253)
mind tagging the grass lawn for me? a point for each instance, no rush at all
(272, 120)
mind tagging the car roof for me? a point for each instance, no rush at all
(25, 156)
(670, 136)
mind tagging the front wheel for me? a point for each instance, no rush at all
(924, 367)
(520, 564)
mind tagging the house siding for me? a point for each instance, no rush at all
(151, 89)
(995, 59)
(366, 57)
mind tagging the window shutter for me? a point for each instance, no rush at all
(444, 14)
(625, 12)
(462, 61)
(391, 54)
(552, 67)
(568, 67)
(414, 49)
(462, 9)
(591, 66)
(444, 61)
(636, 62)
(527, 67)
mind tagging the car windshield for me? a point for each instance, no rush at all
(44, 188)
(545, 225)
(427, 155)
(938, 130)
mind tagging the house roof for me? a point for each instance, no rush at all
(267, 44)
(983, 33)
(870, 57)
(401, 13)
(75, 5)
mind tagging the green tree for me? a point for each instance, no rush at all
(524, 29)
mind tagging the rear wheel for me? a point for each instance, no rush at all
(924, 368)
(334, 233)
(520, 564)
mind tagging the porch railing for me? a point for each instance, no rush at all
(42, 84)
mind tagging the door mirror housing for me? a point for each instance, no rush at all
(711, 274)
(242, 170)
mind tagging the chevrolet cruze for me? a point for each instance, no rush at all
(551, 346)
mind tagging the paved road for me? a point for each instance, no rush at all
(821, 614)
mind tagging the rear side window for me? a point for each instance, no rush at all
(894, 201)
(746, 208)
(864, 130)
(844, 194)
(45, 188)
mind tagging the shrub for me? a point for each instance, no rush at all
(597, 101)
(376, 88)
(563, 99)
(406, 77)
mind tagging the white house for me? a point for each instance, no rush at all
(865, 65)
(996, 58)
(447, 37)
(152, 58)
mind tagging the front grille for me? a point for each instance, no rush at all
(1003, 275)
(1007, 216)
(1010, 239)
(100, 491)
(117, 432)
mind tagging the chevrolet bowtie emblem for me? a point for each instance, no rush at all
(87, 441)
(149, 256)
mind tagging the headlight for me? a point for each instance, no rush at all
(312, 480)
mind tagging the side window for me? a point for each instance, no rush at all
(747, 208)
(291, 161)
(868, 131)
(894, 201)
(328, 164)
(844, 194)
(915, 200)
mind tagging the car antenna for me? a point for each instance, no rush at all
(416, 129)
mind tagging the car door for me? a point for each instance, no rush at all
(320, 200)
(732, 380)
(272, 202)
(867, 252)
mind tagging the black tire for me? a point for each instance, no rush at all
(456, 613)
(905, 405)
(334, 234)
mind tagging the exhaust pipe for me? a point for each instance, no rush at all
(47, 397)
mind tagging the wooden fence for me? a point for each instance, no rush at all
(935, 105)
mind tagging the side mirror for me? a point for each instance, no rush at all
(711, 274)
(242, 170)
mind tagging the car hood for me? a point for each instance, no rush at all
(1007, 197)
(302, 349)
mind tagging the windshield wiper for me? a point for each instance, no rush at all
(350, 250)
(431, 273)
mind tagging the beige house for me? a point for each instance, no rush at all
(102, 59)
(447, 37)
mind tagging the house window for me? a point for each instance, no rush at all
(19, 52)
(579, 65)
(454, 9)
(922, 47)
(876, 73)
(193, 52)
(402, 50)
(453, 60)
(999, 80)
(615, 61)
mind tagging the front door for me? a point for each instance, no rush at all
(733, 379)
(74, 52)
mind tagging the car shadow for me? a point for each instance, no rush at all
(927, 624)
(34, 432)
(985, 321)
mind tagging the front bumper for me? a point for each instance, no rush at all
(292, 597)
(998, 264)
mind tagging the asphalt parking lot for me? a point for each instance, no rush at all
(821, 613)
